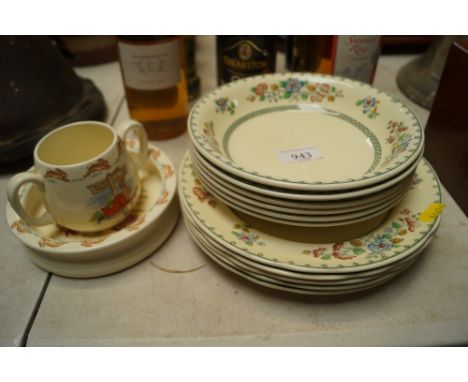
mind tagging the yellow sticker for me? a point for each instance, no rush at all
(431, 213)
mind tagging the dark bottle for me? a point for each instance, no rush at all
(193, 80)
(244, 56)
(289, 52)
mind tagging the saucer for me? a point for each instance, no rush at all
(73, 254)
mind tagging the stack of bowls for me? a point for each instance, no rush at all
(308, 158)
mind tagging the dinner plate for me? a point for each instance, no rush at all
(252, 189)
(298, 118)
(269, 278)
(400, 233)
(286, 288)
(298, 277)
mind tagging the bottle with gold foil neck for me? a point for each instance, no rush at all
(244, 56)
(153, 71)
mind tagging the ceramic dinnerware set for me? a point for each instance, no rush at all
(307, 183)
(95, 202)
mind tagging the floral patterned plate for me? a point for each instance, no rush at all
(269, 282)
(400, 234)
(316, 132)
(205, 243)
(65, 250)
(257, 191)
(302, 220)
(298, 207)
(300, 214)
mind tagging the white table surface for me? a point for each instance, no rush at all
(144, 305)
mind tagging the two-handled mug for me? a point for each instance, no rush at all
(88, 180)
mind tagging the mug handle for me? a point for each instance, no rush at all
(13, 187)
(124, 128)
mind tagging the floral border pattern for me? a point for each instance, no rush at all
(243, 233)
(399, 139)
(369, 106)
(202, 194)
(204, 142)
(294, 89)
(374, 246)
(386, 242)
(225, 104)
(209, 134)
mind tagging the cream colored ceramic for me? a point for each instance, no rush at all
(309, 278)
(272, 280)
(87, 180)
(352, 283)
(317, 132)
(74, 254)
(397, 237)
(234, 200)
(267, 282)
(256, 190)
(304, 220)
(304, 208)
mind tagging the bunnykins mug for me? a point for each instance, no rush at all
(88, 180)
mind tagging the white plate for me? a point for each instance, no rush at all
(60, 250)
(317, 132)
(397, 237)
(253, 189)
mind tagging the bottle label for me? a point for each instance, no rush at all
(299, 154)
(243, 58)
(150, 67)
(356, 57)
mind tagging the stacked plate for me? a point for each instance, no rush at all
(302, 159)
(306, 150)
(282, 257)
